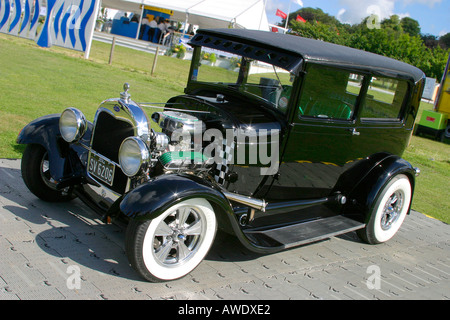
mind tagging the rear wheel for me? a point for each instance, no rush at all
(35, 169)
(389, 211)
(173, 244)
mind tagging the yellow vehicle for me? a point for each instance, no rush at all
(436, 122)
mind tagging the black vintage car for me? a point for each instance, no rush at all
(279, 140)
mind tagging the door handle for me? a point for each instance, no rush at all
(354, 132)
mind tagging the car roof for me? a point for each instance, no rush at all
(297, 49)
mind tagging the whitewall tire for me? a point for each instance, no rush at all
(389, 211)
(173, 244)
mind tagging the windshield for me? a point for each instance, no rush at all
(261, 79)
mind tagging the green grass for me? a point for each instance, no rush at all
(36, 81)
(431, 196)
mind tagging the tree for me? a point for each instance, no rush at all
(320, 31)
(444, 41)
(392, 23)
(396, 38)
(429, 40)
(410, 26)
(437, 61)
(317, 15)
(313, 16)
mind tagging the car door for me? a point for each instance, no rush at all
(320, 143)
(381, 124)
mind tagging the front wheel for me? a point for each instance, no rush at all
(173, 244)
(35, 167)
(389, 211)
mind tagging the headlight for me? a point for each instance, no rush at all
(72, 124)
(134, 156)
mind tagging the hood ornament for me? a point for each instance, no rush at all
(125, 96)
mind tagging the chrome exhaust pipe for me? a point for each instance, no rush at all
(247, 201)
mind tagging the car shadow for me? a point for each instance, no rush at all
(95, 246)
(100, 247)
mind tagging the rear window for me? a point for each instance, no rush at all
(384, 99)
(329, 93)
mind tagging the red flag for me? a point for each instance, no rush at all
(274, 29)
(300, 19)
(281, 14)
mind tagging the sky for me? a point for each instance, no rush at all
(432, 15)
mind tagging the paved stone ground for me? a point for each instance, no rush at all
(43, 247)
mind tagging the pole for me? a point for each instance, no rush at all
(185, 25)
(140, 22)
(287, 18)
(111, 53)
(154, 60)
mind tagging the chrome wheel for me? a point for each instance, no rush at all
(173, 244)
(179, 236)
(392, 210)
(389, 211)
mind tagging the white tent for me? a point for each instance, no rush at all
(247, 14)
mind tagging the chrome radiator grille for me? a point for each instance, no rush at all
(108, 135)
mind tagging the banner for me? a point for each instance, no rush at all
(300, 19)
(65, 23)
(281, 14)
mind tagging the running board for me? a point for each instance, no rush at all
(303, 233)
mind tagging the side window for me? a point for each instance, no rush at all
(384, 99)
(329, 93)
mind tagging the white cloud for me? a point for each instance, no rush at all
(341, 16)
(443, 32)
(354, 11)
(430, 3)
(404, 15)
(273, 5)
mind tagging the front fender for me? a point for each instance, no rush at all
(63, 157)
(45, 132)
(150, 200)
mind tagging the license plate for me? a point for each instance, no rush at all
(101, 169)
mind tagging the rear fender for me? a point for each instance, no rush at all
(365, 194)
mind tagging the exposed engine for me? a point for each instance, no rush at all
(174, 146)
